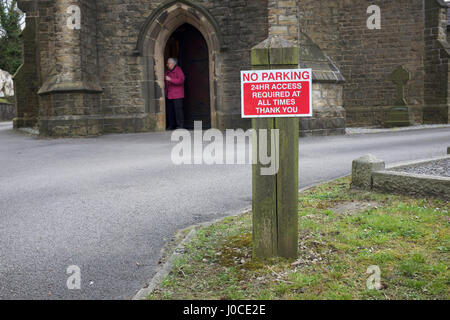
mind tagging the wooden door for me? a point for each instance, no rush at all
(188, 45)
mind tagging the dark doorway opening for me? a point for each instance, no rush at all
(189, 46)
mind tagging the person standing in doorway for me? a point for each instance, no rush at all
(174, 80)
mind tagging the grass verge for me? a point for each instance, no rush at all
(342, 232)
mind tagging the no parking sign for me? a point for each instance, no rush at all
(276, 93)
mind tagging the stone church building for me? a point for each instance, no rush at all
(107, 76)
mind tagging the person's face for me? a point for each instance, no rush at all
(170, 64)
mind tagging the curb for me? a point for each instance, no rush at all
(355, 131)
(415, 162)
(178, 252)
(165, 270)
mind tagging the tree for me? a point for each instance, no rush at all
(11, 19)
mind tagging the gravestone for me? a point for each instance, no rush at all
(400, 78)
(400, 114)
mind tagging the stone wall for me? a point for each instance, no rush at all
(70, 94)
(366, 57)
(329, 115)
(437, 51)
(7, 111)
(328, 112)
(415, 185)
(120, 73)
(370, 173)
(242, 24)
(27, 79)
(283, 19)
(94, 74)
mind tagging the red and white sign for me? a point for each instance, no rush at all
(276, 93)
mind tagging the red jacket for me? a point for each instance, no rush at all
(175, 87)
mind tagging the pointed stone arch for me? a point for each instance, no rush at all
(153, 37)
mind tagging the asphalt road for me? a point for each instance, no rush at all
(108, 204)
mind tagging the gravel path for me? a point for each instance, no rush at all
(436, 168)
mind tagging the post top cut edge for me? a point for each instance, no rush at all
(275, 42)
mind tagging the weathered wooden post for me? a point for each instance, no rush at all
(275, 197)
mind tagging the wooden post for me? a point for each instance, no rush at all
(275, 198)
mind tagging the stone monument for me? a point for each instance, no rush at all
(400, 115)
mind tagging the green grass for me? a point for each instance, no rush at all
(407, 238)
(9, 100)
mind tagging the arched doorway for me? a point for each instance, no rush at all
(152, 41)
(189, 46)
